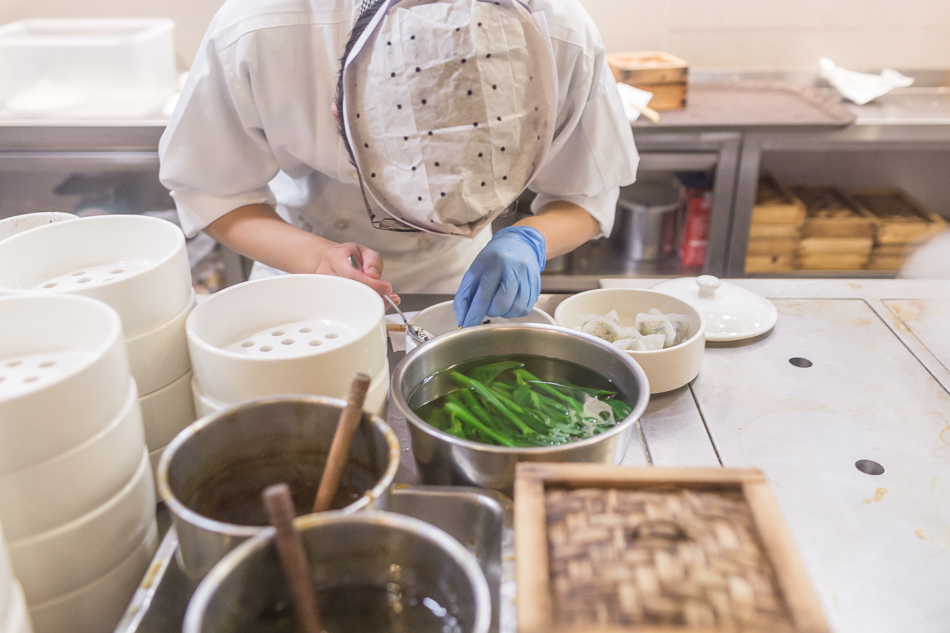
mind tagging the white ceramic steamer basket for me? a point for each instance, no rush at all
(64, 375)
(57, 490)
(159, 357)
(306, 334)
(26, 221)
(135, 263)
(7, 579)
(167, 411)
(15, 619)
(98, 606)
(73, 555)
(377, 396)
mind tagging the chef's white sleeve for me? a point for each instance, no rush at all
(214, 154)
(593, 153)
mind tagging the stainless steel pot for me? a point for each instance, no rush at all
(400, 568)
(445, 459)
(212, 474)
(647, 215)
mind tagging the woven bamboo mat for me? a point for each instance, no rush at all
(667, 557)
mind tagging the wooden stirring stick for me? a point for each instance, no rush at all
(340, 448)
(281, 512)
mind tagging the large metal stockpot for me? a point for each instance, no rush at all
(396, 567)
(445, 459)
(212, 474)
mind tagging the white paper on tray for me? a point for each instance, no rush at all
(862, 87)
(631, 98)
(398, 339)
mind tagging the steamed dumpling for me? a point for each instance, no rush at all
(648, 324)
(602, 328)
(652, 331)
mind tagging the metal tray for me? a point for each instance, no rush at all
(479, 519)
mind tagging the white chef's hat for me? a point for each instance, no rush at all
(449, 109)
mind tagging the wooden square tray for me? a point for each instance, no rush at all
(612, 549)
(776, 204)
(899, 218)
(830, 213)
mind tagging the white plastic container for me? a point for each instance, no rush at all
(87, 67)
(135, 263)
(287, 334)
(62, 488)
(64, 374)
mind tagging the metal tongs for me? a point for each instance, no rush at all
(421, 335)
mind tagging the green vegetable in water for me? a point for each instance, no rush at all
(504, 404)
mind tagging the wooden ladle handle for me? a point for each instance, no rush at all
(280, 511)
(342, 439)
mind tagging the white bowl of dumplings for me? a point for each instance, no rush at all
(665, 335)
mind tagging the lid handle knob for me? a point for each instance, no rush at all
(708, 284)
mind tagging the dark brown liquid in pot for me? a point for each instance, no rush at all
(233, 494)
(366, 608)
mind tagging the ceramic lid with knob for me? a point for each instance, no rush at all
(732, 313)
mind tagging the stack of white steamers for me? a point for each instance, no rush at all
(77, 497)
(95, 379)
(13, 615)
(139, 266)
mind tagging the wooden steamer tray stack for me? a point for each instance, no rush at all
(903, 225)
(603, 549)
(836, 234)
(776, 228)
(662, 74)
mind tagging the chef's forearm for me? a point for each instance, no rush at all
(257, 232)
(565, 226)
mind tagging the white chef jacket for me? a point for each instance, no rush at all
(253, 124)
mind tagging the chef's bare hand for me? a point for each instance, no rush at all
(359, 263)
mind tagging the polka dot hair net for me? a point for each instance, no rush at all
(449, 107)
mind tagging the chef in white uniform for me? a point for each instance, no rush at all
(265, 153)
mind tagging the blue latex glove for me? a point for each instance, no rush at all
(505, 278)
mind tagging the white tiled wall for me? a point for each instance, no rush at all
(735, 34)
(781, 34)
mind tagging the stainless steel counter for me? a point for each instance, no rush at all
(855, 374)
(874, 390)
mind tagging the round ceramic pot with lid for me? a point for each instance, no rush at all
(443, 458)
(212, 474)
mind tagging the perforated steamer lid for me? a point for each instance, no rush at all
(732, 313)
